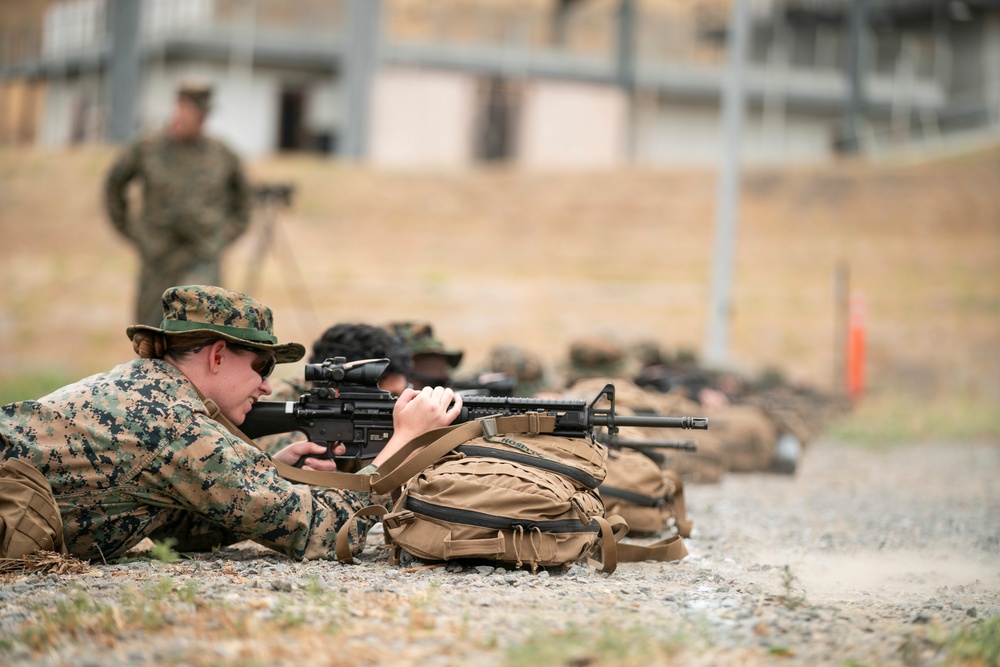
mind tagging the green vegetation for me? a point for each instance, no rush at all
(610, 645)
(977, 645)
(25, 387)
(888, 420)
(164, 551)
(794, 595)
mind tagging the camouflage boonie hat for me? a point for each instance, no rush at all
(198, 93)
(232, 316)
(649, 353)
(595, 356)
(419, 338)
(520, 364)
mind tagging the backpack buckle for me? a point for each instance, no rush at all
(397, 519)
(489, 426)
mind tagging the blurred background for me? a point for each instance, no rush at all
(808, 186)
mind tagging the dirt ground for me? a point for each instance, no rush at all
(539, 259)
(864, 557)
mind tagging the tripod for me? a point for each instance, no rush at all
(268, 199)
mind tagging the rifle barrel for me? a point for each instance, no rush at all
(697, 423)
(682, 445)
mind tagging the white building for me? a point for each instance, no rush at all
(566, 83)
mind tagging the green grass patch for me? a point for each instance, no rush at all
(888, 420)
(36, 385)
(977, 645)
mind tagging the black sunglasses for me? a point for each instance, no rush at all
(263, 365)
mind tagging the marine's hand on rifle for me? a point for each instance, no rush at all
(305, 451)
(417, 412)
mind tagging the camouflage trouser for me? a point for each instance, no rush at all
(193, 533)
(748, 436)
(156, 277)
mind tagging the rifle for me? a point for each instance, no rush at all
(346, 406)
(649, 447)
(683, 445)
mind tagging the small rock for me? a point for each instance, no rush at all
(281, 585)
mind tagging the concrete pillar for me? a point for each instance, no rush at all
(362, 33)
(124, 68)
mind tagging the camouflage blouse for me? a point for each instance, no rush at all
(132, 453)
(196, 199)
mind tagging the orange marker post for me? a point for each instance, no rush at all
(856, 329)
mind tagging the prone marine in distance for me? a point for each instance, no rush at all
(758, 435)
(353, 341)
(523, 366)
(434, 363)
(596, 361)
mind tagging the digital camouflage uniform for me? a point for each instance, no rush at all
(135, 453)
(196, 202)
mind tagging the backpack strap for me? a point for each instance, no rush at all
(672, 548)
(684, 525)
(613, 529)
(433, 445)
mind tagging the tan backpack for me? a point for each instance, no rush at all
(644, 494)
(534, 494)
(29, 515)
(518, 498)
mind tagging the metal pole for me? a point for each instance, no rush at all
(625, 61)
(728, 191)
(841, 306)
(361, 34)
(856, 62)
(125, 68)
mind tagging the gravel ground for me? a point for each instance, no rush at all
(863, 557)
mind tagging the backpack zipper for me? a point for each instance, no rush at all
(473, 518)
(575, 474)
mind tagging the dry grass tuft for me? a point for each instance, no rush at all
(42, 562)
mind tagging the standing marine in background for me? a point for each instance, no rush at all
(195, 202)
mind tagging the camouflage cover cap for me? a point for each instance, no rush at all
(232, 316)
(198, 93)
(524, 366)
(419, 338)
(595, 356)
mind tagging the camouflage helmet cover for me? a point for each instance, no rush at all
(232, 316)
(516, 362)
(596, 356)
(525, 367)
(419, 338)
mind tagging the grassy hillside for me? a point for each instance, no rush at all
(495, 256)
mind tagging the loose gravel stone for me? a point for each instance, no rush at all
(848, 561)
